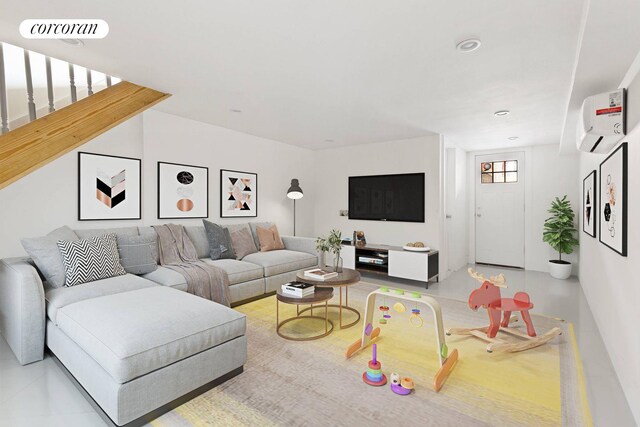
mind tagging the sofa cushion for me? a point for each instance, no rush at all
(238, 271)
(282, 261)
(93, 232)
(138, 254)
(254, 230)
(199, 239)
(149, 232)
(58, 298)
(242, 242)
(133, 333)
(167, 277)
(91, 259)
(46, 255)
(219, 238)
(269, 239)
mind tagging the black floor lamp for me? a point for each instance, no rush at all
(294, 192)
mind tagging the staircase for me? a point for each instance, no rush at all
(56, 111)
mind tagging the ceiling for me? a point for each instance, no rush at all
(321, 74)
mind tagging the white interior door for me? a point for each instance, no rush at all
(499, 209)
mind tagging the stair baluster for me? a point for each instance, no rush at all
(89, 83)
(49, 85)
(4, 128)
(27, 69)
(108, 81)
(72, 83)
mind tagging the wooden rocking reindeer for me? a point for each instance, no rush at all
(488, 297)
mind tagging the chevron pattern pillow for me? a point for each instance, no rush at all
(90, 259)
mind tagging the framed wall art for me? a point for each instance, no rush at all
(183, 191)
(238, 194)
(109, 187)
(589, 208)
(613, 200)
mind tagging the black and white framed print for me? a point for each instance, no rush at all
(238, 194)
(589, 204)
(613, 200)
(109, 187)
(183, 191)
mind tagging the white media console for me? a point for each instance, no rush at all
(391, 261)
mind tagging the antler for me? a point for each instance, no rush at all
(499, 280)
(474, 274)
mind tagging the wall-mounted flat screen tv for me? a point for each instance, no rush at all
(387, 197)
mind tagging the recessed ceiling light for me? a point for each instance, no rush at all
(73, 42)
(502, 113)
(234, 110)
(512, 138)
(468, 45)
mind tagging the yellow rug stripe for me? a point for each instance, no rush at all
(586, 412)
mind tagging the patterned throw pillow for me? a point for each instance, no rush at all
(90, 259)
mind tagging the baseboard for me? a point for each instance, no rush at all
(150, 416)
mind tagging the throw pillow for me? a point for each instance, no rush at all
(138, 254)
(90, 259)
(243, 243)
(220, 245)
(254, 230)
(45, 254)
(269, 238)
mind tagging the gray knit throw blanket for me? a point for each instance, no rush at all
(177, 252)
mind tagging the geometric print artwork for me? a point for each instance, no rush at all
(110, 190)
(183, 191)
(589, 207)
(90, 259)
(109, 187)
(613, 200)
(238, 194)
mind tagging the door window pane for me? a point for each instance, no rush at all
(511, 177)
(504, 171)
(512, 166)
(498, 177)
(498, 166)
(487, 178)
(486, 167)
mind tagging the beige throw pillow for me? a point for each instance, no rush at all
(243, 243)
(269, 239)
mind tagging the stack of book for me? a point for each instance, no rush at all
(320, 274)
(298, 289)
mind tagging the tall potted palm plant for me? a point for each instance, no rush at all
(559, 233)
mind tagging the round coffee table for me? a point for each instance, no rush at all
(342, 281)
(321, 295)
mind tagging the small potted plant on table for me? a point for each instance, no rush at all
(333, 243)
(559, 233)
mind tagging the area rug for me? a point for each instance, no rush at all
(310, 383)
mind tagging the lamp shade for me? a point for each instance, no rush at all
(294, 191)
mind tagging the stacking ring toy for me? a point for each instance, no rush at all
(383, 321)
(384, 308)
(415, 318)
(407, 383)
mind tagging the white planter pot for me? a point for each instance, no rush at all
(558, 270)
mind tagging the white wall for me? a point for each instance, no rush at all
(48, 198)
(456, 202)
(610, 281)
(179, 140)
(335, 166)
(547, 174)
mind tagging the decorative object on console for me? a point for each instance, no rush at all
(416, 247)
(359, 239)
(269, 238)
(294, 192)
(488, 297)
(613, 200)
(183, 191)
(109, 187)
(559, 233)
(589, 204)
(90, 259)
(238, 194)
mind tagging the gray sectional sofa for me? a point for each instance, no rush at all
(137, 344)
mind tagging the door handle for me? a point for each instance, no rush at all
(448, 216)
(478, 215)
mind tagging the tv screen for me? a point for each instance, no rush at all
(387, 197)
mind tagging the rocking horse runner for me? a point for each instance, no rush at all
(488, 296)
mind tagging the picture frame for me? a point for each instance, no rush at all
(613, 190)
(109, 187)
(183, 191)
(238, 194)
(589, 204)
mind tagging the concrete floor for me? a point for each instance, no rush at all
(41, 395)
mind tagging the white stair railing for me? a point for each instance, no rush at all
(47, 88)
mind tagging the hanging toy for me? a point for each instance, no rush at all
(415, 318)
(385, 310)
(399, 307)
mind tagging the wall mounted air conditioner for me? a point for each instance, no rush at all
(602, 122)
